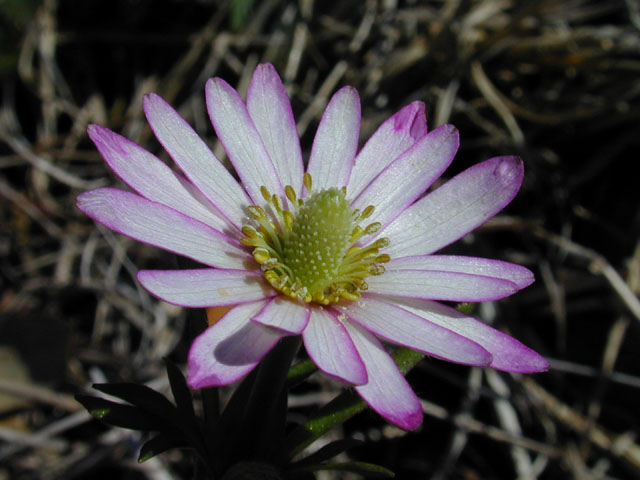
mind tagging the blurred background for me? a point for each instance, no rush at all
(554, 81)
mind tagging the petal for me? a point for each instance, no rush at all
(231, 348)
(485, 267)
(195, 159)
(205, 287)
(457, 207)
(161, 226)
(329, 346)
(436, 285)
(508, 353)
(270, 110)
(410, 175)
(387, 143)
(241, 140)
(387, 391)
(284, 314)
(152, 178)
(405, 328)
(336, 141)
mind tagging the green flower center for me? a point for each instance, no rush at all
(312, 252)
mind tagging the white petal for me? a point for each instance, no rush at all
(405, 328)
(153, 179)
(435, 285)
(387, 391)
(284, 314)
(329, 346)
(336, 141)
(195, 159)
(229, 349)
(163, 227)
(485, 267)
(402, 182)
(270, 110)
(508, 353)
(241, 140)
(387, 143)
(457, 207)
(205, 287)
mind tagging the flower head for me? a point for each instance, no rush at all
(342, 254)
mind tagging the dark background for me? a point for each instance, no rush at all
(556, 82)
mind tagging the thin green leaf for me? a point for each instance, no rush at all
(158, 444)
(341, 408)
(119, 415)
(300, 371)
(328, 451)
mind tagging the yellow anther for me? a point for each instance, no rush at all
(249, 231)
(384, 258)
(357, 233)
(291, 194)
(261, 255)
(382, 242)
(376, 270)
(265, 193)
(373, 228)
(307, 182)
(350, 295)
(257, 213)
(366, 213)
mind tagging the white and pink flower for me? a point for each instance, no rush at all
(286, 250)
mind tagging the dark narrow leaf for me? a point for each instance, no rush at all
(225, 434)
(140, 396)
(262, 426)
(157, 404)
(367, 470)
(120, 415)
(158, 444)
(328, 451)
(179, 388)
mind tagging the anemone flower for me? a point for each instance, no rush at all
(342, 253)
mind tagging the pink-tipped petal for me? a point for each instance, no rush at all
(241, 139)
(398, 186)
(196, 160)
(462, 204)
(284, 314)
(508, 353)
(436, 285)
(387, 143)
(205, 287)
(231, 348)
(485, 267)
(152, 178)
(336, 141)
(387, 391)
(163, 227)
(405, 328)
(331, 349)
(270, 110)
